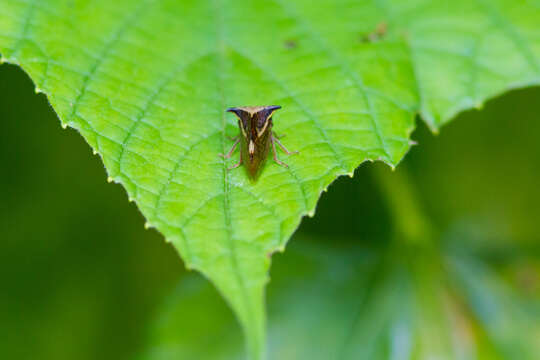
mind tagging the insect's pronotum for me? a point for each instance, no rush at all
(256, 138)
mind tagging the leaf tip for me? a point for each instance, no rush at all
(311, 213)
(147, 225)
(64, 126)
(94, 152)
(110, 179)
(37, 90)
(479, 105)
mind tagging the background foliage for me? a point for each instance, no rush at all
(81, 280)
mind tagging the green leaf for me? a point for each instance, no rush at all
(147, 82)
(361, 302)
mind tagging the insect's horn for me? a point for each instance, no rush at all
(238, 112)
(269, 110)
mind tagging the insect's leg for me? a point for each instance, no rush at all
(272, 139)
(283, 147)
(232, 138)
(278, 136)
(228, 155)
(237, 164)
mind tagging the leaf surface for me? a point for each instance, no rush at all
(147, 83)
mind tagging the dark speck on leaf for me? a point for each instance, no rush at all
(291, 44)
(375, 35)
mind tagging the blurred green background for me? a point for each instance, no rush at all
(450, 241)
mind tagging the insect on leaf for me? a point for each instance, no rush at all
(147, 84)
(256, 138)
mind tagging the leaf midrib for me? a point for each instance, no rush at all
(257, 343)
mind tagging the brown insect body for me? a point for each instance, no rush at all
(256, 137)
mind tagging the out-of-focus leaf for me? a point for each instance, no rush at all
(147, 82)
(394, 302)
